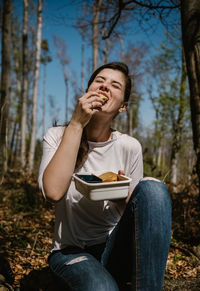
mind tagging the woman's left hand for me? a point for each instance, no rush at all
(121, 172)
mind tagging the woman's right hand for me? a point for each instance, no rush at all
(86, 107)
(58, 173)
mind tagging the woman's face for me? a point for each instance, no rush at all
(110, 83)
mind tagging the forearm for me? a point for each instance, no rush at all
(58, 173)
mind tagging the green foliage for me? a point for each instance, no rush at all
(168, 93)
(177, 257)
(45, 57)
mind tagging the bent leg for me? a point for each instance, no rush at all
(81, 272)
(138, 247)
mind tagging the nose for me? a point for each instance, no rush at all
(104, 87)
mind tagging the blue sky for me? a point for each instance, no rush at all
(53, 13)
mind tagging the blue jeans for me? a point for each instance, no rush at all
(135, 254)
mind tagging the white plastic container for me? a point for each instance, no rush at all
(103, 190)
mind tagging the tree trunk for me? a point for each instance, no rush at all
(106, 51)
(190, 18)
(82, 65)
(12, 143)
(178, 126)
(95, 29)
(66, 94)
(83, 52)
(130, 119)
(174, 171)
(5, 85)
(122, 47)
(64, 61)
(35, 86)
(160, 154)
(43, 99)
(24, 92)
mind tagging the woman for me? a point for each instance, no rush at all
(104, 245)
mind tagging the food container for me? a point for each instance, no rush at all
(96, 190)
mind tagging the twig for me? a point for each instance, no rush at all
(166, 175)
(184, 250)
(34, 242)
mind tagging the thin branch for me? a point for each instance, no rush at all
(36, 237)
(123, 6)
(185, 250)
(150, 6)
(116, 17)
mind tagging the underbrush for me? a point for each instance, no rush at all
(27, 220)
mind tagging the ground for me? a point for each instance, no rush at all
(26, 227)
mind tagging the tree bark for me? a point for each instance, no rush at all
(64, 61)
(190, 18)
(160, 154)
(66, 94)
(106, 51)
(12, 143)
(178, 126)
(5, 85)
(43, 99)
(83, 50)
(95, 31)
(122, 47)
(35, 86)
(24, 92)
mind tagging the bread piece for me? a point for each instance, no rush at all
(103, 97)
(109, 177)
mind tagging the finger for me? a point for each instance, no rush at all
(95, 105)
(90, 95)
(121, 172)
(96, 96)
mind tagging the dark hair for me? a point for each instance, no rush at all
(84, 146)
(119, 67)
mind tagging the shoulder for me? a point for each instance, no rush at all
(129, 142)
(54, 135)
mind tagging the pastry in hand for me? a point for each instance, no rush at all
(104, 97)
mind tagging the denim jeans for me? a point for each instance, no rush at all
(135, 254)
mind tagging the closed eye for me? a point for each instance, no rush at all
(99, 81)
(116, 86)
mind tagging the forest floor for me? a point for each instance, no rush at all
(26, 227)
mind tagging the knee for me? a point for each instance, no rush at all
(153, 190)
(100, 280)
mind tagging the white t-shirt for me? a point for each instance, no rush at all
(80, 221)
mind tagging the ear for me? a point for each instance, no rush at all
(123, 107)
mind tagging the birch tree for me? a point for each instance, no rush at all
(45, 58)
(83, 49)
(64, 61)
(95, 32)
(35, 86)
(15, 104)
(177, 124)
(5, 85)
(24, 91)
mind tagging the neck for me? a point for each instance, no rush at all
(98, 131)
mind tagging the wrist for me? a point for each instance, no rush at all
(75, 125)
